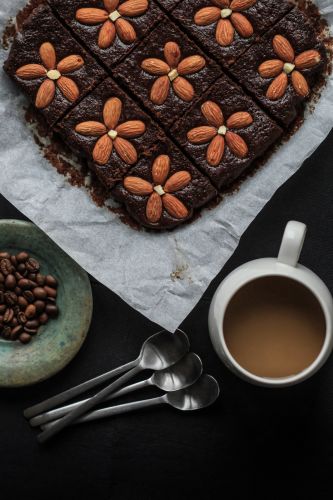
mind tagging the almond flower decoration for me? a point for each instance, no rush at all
(159, 190)
(52, 73)
(111, 134)
(287, 64)
(217, 133)
(227, 14)
(172, 72)
(112, 21)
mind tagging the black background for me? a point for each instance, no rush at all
(253, 443)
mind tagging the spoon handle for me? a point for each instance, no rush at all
(76, 391)
(48, 416)
(85, 407)
(114, 410)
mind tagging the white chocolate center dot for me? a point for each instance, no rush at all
(288, 68)
(113, 134)
(114, 16)
(173, 74)
(222, 130)
(226, 13)
(159, 190)
(53, 74)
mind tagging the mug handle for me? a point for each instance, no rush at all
(292, 243)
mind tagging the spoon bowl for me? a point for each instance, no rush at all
(163, 349)
(201, 394)
(182, 374)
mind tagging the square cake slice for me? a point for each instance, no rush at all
(109, 28)
(165, 190)
(112, 132)
(50, 66)
(227, 28)
(167, 72)
(225, 132)
(282, 69)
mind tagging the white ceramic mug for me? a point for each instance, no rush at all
(286, 265)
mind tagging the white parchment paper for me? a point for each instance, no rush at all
(136, 265)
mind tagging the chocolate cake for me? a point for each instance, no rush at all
(168, 101)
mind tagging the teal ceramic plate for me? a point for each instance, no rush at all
(60, 339)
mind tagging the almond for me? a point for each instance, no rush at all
(91, 16)
(183, 89)
(154, 207)
(270, 68)
(241, 4)
(102, 150)
(111, 112)
(31, 71)
(174, 206)
(283, 49)
(191, 65)
(125, 31)
(106, 35)
(239, 120)
(278, 87)
(155, 66)
(177, 181)
(125, 150)
(133, 8)
(48, 55)
(68, 88)
(213, 114)
(236, 144)
(161, 168)
(70, 63)
(131, 128)
(201, 135)
(242, 25)
(111, 5)
(91, 128)
(172, 54)
(224, 32)
(45, 94)
(307, 59)
(215, 151)
(160, 90)
(207, 15)
(300, 84)
(136, 185)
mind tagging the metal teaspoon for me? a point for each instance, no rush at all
(178, 376)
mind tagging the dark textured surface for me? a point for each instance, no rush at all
(91, 108)
(89, 34)
(197, 193)
(262, 15)
(140, 82)
(42, 27)
(302, 37)
(253, 443)
(168, 4)
(259, 136)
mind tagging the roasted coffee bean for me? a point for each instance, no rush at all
(8, 316)
(18, 276)
(13, 260)
(40, 279)
(31, 331)
(11, 298)
(10, 281)
(5, 267)
(32, 265)
(2, 278)
(3, 307)
(22, 318)
(6, 332)
(22, 257)
(43, 319)
(13, 322)
(51, 281)
(51, 292)
(2, 287)
(24, 338)
(40, 293)
(24, 283)
(22, 302)
(17, 290)
(32, 324)
(40, 306)
(27, 294)
(32, 277)
(16, 332)
(2, 297)
(22, 270)
(16, 309)
(30, 311)
(51, 300)
(4, 255)
(51, 310)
